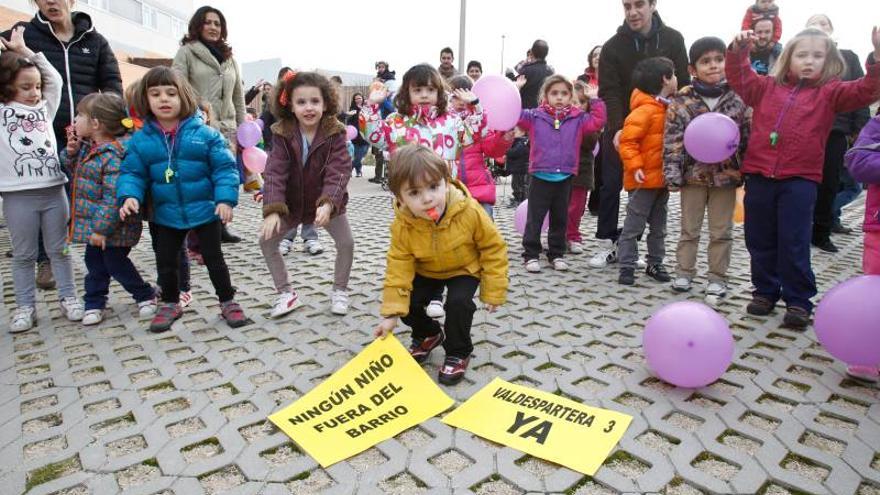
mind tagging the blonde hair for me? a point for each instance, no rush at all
(834, 66)
(555, 79)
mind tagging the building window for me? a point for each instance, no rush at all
(129, 9)
(99, 4)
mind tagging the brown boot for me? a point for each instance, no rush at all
(45, 280)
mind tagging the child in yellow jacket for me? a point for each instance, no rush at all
(440, 237)
(641, 151)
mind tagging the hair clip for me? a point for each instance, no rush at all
(287, 77)
(128, 123)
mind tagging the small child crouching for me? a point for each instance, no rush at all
(440, 237)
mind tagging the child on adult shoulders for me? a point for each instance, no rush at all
(641, 151)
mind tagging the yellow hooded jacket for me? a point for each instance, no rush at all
(465, 242)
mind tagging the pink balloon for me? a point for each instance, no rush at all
(711, 138)
(848, 320)
(521, 216)
(351, 132)
(688, 344)
(500, 99)
(249, 134)
(254, 159)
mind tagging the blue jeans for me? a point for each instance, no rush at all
(778, 228)
(849, 191)
(360, 151)
(105, 264)
(308, 233)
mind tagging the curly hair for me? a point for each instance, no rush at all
(197, 22)
(11, 64)
(282, 99)
(420, 75)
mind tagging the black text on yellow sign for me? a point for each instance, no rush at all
(542, 424)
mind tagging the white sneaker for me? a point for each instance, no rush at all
(533, 266)
(435, 310)
(560, 265)
(575, 248)
(718, 289)
(285, 303)
(339, 302)
(285, 246)
(93, 317)
(72, 308)
(313, 247)
(23, 319)
(185, 298)
(145, 308)
(681, 284)
(605, 256)
(641, 264)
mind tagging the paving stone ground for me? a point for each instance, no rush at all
(114, 409)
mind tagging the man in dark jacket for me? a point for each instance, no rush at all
(79, 53)
(534, 73)
(643, 35)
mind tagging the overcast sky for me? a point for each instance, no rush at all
(350, 35)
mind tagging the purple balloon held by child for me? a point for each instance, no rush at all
(711, 138)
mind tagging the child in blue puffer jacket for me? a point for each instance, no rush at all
(95, 157)
(192, 178)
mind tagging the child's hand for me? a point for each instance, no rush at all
(258, 196)
(98, 240)
(130, 207)
(616, 140)
(875, 39)
(322, 216)
(744, 39)
(465, 95)
(592, 92)
(16, 42)
(521, 81)
(271, 226)
(378, 96)
(224, 211)
(640, 176)
(385, 327)
(491, 308)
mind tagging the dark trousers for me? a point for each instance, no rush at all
(459, 308)
(849, 191)
(168, 260)
(593, 202)
(183, 277)
(609, 191)
(779, 215)
(360, 151)
(823, 217)
(544, 197)
(112, 262)
(519, 183)
(380, 162)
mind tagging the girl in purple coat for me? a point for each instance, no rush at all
(863, 162)
(556, 130)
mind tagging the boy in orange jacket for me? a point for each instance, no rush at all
(641, 151)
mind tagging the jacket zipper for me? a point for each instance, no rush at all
(171, 149)
(66, 49)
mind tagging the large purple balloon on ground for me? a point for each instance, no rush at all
(688, 344)
(500, 99)
(521, 216)
(711, 138)
(848, 321)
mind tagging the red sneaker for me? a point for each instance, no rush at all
(233, 314)
(420, 350)
(166, 315)
(453, 370)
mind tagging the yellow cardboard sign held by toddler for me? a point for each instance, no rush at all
(379, 393)
(542, 424)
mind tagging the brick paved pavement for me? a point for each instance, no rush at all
(115, 409)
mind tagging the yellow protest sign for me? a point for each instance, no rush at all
(542, 424)
(379, 393)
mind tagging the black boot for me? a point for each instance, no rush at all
(228, 237)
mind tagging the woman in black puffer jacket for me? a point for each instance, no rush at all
(77, 51)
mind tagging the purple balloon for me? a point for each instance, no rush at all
(521, 216)
(249, 134)
(261, 124)
(711, 138)
(351, 132)
(848, 321)
(500, 100)
(688, 344)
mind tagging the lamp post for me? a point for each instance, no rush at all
(502, 53)
(461, 29)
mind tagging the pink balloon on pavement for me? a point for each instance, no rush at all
(688, 344)
(711, 137)
(254, 159)
(500, 99)
(848, 321)
(521, 216)
(249, 134)
(351, 132)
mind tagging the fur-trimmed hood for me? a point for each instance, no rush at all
(330, 125)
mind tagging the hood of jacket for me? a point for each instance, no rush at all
(82, 23)
(457, 196)
(329, 126)
(640, 39)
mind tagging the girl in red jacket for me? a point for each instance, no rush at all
(794, 110)
(306, 181)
